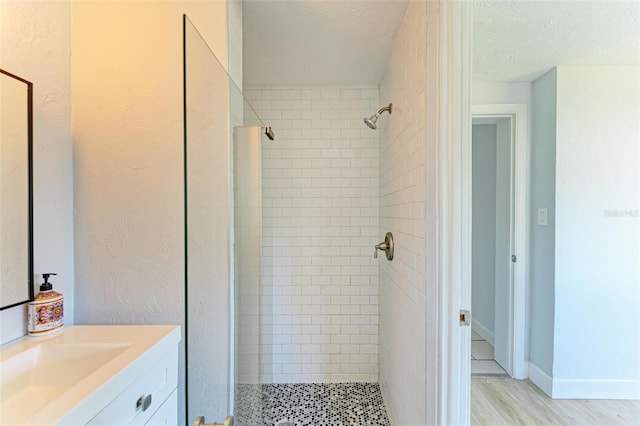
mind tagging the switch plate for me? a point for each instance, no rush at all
(542, 216)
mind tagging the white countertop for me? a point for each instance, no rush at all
(93, 364)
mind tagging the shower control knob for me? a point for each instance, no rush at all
(386, 246)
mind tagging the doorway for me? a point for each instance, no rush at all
(499, 235)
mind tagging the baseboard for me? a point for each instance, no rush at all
(540, 379)
(584, 388)
(596, 389)
(482, 331)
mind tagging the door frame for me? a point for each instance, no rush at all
(448, 343)
(519, 228)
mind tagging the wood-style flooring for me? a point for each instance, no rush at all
(519, 402)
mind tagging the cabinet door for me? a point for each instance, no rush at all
(167, 414)
(136, 404)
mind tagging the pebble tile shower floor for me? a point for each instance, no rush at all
(310, 404)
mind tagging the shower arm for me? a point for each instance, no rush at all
(383, 109)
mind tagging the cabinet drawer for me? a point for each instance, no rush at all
(142, 398)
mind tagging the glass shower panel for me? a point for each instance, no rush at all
(223, 205)
(207, 245)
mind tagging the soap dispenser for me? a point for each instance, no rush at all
(46, 312)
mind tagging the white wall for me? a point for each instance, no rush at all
(403, 188)
(128, 136)
(597, 257)
(584, 264)
(235, 25)
(320, 223)
(517, 92)
(248, 251)
(35, 39)
(484, 229)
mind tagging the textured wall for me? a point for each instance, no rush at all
(128, 146)
(35, 39)
(320, 193)
(403, 180)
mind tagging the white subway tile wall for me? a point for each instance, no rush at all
(320, 223)
(402, 211)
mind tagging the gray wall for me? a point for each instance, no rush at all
(543, 164)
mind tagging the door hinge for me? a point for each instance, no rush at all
(465, 317)
(514, 259)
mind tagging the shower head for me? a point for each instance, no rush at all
(371, 121)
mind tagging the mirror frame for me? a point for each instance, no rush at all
(29, 186)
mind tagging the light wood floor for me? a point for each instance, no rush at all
(519, 402)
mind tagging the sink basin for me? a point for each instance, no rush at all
(66, 378)
(35, 377)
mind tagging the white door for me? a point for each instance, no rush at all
(491, 243)
(511, 233)
(503, 247)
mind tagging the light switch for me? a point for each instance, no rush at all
(542, 216)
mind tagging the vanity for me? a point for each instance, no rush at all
(91, 375)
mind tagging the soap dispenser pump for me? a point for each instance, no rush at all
(46, 312)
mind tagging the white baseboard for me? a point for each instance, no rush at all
(540, 379)
(596, 389)
(482, 331)
(584, 388)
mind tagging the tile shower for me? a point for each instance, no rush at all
(319, 304)
(331, 315)
(308, 311)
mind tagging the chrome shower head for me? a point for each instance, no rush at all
(371, 121)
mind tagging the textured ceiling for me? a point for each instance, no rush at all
(316, 42)
(521, 40)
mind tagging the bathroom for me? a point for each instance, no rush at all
(109, 195)
(108, 175)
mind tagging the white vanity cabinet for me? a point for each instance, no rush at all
(92, 375)
(148, 394)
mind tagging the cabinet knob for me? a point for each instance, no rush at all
(144, 402)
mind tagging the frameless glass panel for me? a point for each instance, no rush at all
(223, 190)
(207, 172)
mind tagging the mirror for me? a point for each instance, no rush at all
(16, 223)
